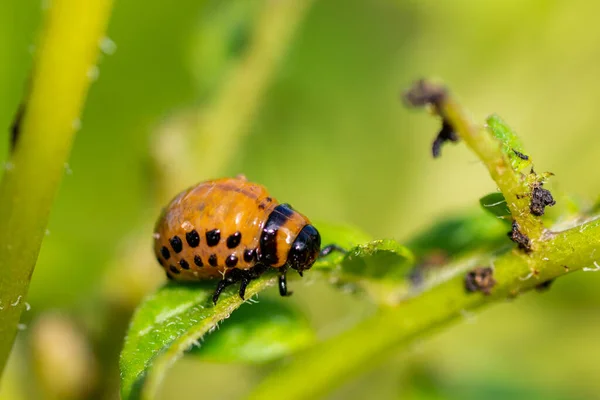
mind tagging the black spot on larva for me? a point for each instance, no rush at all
(213, 237)
(176, 244)
(165, 252)
(184, 264)
(192, 238)
(212, 260)
(231, 261)
(198, 261)
(249, 255)
(169, 276)
(268, 247)
(264, 203)
(173, 269)
(159, 260)
(234, 240)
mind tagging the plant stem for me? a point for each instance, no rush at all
(244, 91)
(68, 52)
(335, 360)
(214, 133)
(489, 150)
(481, 141)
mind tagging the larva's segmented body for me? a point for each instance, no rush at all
(234, 230)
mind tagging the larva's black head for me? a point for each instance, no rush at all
(305, 249)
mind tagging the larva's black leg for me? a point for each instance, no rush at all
(330, 249)
(232, 277)
(223, 283)
(239, 275)
(283, 290)
(243, 285)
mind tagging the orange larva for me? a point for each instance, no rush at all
(232, 229)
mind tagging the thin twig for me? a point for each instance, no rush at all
(200, 144)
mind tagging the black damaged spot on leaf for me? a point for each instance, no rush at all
(447, 134)
(481, 279)
(540, 199)
(424, 93)
(520, 155)
(520, 238)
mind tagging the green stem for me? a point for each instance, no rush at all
(218, 130)
(333, 361)
(244, 90)
(488, 148)
(511, 183)
(68, 51)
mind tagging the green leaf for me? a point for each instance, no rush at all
(169, 323)
(342, 235)
(379, 259)
(177, 316)
(257, 333)
(381, 268)
(457, 235)
(511, 144)
(495, 204)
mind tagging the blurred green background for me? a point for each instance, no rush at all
(331, 137)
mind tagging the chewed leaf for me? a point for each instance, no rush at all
(380, 259)
(495, 204)
(511, 144)
(167, 324)
(460, 234)
(257, 333)
(344, 236)
(381, 268)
